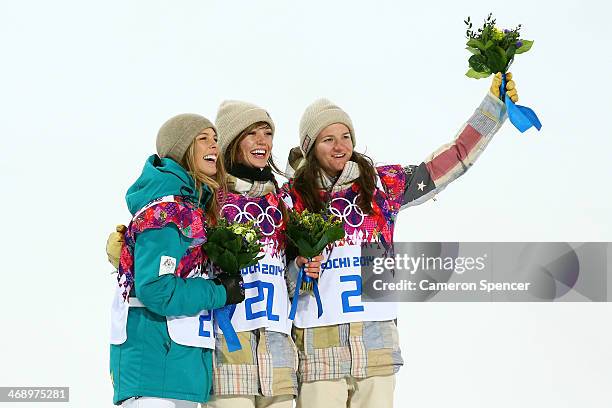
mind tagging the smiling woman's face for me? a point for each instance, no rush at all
(333, 148)
(205, 152)
(255, 147)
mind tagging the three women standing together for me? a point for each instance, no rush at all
(165, 351)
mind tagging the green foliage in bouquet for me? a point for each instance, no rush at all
(312, 232)
(493, 49)
(232, 247)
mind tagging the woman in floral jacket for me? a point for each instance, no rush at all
(263, 372)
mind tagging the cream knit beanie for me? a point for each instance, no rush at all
(175, 136)
(317, 116)
(235, 116)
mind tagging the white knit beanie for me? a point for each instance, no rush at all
(317, 116)
(235, 116)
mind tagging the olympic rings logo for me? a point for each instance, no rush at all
(264, 219)
(351, 207)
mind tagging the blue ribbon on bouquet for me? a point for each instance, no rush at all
(521, 117)
(315, 288)
(223, 318)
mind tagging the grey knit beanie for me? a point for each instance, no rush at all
(235, 116)
(175, 136)
(317, 116)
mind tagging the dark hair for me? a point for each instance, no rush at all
(306, 182)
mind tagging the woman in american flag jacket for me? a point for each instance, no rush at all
(349, 356)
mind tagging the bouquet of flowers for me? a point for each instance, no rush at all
(231, 247)
(493, 51)
(492, 48)
(310, 233)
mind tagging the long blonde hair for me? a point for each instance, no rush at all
(216, 184)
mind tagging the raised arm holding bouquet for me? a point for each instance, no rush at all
(349, 355)
(493, 51)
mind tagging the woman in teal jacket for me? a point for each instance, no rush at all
(161, 337)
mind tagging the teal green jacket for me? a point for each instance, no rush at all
(149, 363)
